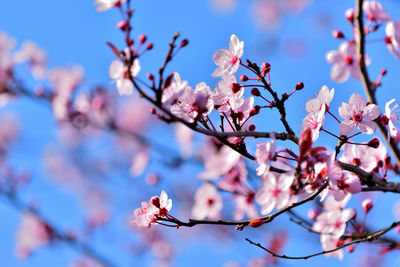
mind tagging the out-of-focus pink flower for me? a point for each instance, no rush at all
(345, 63)
(118, 72)
(393, 37)
(329, 242)
(389, 118)
(367, 205)
(194, 104)
(31, 234)
(35, 57)
(86, 262)
(6, 64)
(103, 5)
(139, 162)
(223, 5)
(234, 180)
(245, 206)
(360, 156)
(324, 98)
(357, 112)
(264, 154)
(374, 11)
(333, 222)
(219, 162)
(184, 136)
(228, 60)
(207, 203)
(275, 191)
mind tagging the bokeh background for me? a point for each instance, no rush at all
(293, 40)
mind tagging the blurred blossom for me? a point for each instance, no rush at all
(184, 136)
(34, 56)
(223, 6)
(9, 129)
(31, 234)
(133, 115)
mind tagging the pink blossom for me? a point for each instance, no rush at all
(6, 64)
(207, 203)
(314, 121)
(375, 11)
(223, 5)
(329, 242)
(148, 213)
(35, 56)
(367, 205)
(393, 37)
(245, 206)
(345, 63)
(360, 156)
(194, 103)
(145, 216)
(275, 191)
(264, 154)
(228, 60)
(103, 5)
(242, 108)
(357, 112)
(139, 162)
(323, 99)
(226, 94)
(389, 118)
(173, 92)
(219, 162)
(31, 234)
(184, 136)
(118, 72)
(333, 222)
(234, 180)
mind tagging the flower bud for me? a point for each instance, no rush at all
(184, 42)
(337, 34)
(150, 76)
(152, 111)
(350, 15)
(252, 127)
(255, 110)
(350, 249)
(149, 46)
(255, 92)
(256, 223)
(142, 38)
(367, 205)
(265, 67)
(313, 214)
(122, 25)
(299, 86)
(236, 87)
(244, 78)
(374, 143)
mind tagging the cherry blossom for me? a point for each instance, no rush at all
(173, 92)
(31, 234)
(118, 72)
(194, 103)
(35, 56)
(333, 222)
(157, 206)
(264, 154)
(245, 206)
(184, 136)
(389, 118)
(324, 97)
(207, 203)
(275, 191)
(393, 37)
(228, 60)
(375, 11)
(103, 5)
(358, 113)
(234, 180)
(228, 93)
(314, 121)
(219, 162)
(360, 156)
(344, 63)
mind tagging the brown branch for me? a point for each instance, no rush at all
(374, 182)
(241, 224)
(367, 238)
(369, 88)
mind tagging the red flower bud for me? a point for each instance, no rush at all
(244, 78)
(299, 86)
(122, 25)
(142, 38)
(350, 249)
(149, 46)
(256, 223)
(350, 15)
(255, 92)
(374, 143)
(236, 87)
(367, 205)
(184, 42)
(252, 127)
(337, 34)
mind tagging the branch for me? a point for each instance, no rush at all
(241, 224)
(369, 88)
(367, 238)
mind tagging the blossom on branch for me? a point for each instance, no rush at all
(392, 38)
(345, 62)
(207, 203)
(119, 72)
(389, 118)
(264, 154)
(103, 5)
(358, 113)
(228, 60)
(374, 11)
